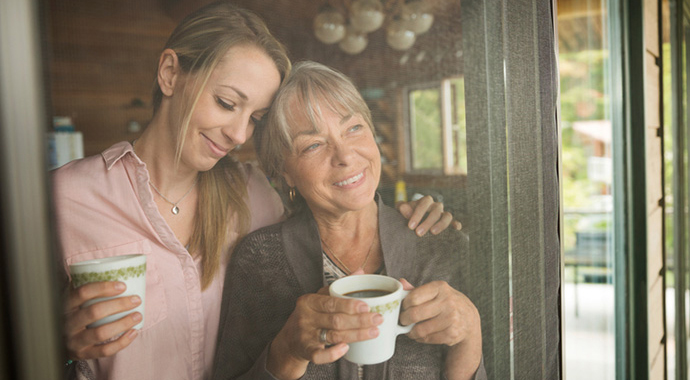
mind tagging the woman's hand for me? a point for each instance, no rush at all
(444, 315)
(88, 343)
(299, 341)
(436, 221)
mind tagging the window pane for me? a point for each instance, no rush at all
(425, 123)
(676, 187)
(459, 131)
(587, 196)
(384, 75)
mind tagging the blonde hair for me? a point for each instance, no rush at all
(200, 41)
(309, 89)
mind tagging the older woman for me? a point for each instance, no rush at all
(276, 319)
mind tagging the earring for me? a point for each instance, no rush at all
(292, 194)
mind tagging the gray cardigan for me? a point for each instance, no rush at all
(275, 265)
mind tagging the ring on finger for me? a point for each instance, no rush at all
(323, 337)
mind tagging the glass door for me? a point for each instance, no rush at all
(586, 134)
(676, 186)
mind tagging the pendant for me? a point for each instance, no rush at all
(175, 210)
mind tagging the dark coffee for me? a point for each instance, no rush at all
(368, 293)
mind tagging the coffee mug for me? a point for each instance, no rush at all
(130, 269)
(384, 295)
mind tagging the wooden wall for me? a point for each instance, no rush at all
(103, 58)
(655, 195)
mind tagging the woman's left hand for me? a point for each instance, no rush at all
(436, 220)
(442, 314)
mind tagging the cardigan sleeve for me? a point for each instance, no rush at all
(258, 298)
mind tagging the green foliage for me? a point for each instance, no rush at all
(583, 98)
(577, 188)
(583, 85)
(460, 135)
(426, 118)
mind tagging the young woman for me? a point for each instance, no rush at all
(176, 195)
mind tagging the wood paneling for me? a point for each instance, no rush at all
(656, 322)
(654, 177)
(651, 26)
(657, 364)
(655, 170)
(103, 55)
(652, 92)
(578, 8)
(655, 262)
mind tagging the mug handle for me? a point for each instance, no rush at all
(403, 329)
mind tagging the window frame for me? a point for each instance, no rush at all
(446, 109)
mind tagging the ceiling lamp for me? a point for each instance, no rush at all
(366, 15)
(329, 26)
(406, 19)
(354, 41)
(417, 16)
(399, 36)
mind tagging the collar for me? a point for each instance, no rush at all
(302, 241)
(113, 154)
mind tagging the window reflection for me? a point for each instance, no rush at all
(425, 133)
(436, 130)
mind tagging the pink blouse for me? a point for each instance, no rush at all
(105, 207)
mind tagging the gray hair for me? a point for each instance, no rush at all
(309, 89)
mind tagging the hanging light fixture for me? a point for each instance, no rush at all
(399, 36)
(366, 15)
(417, 16)
(354, 41)
(406, 20)
(329, 25)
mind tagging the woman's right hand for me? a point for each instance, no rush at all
(298, 342)
(87, 343)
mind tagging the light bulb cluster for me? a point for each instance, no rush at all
(365, 16)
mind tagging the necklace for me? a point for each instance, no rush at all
(175, 210)
(347, 270)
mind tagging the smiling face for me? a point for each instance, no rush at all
(335, 167)
(237, 94)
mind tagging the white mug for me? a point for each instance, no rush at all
(130, 269)
(384, 295)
